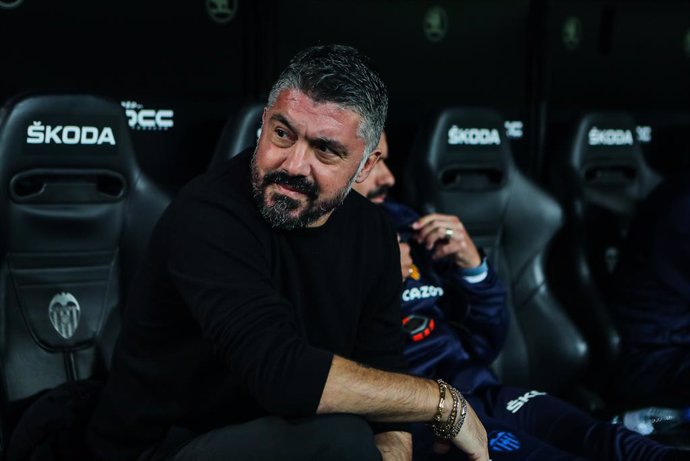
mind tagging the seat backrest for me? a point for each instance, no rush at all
(599, 177)
(75, 215)
(462, 164)
(239, 132)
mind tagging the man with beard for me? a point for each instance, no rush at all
(266, 311)
(446, 280)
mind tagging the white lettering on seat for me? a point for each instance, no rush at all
(473, 136)
(37, 133)
(610, 137)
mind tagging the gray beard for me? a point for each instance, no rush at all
(279, 216)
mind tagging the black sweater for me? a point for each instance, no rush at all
(229, 319)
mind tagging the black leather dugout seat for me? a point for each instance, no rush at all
(75, 216)
(462, 164)
(599, 177)
(239, 133)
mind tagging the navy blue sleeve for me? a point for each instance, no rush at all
(486, 318)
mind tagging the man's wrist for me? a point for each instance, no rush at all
(475, 274)
(450, 399)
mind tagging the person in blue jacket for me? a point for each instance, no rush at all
(456, 321)
(651, 298)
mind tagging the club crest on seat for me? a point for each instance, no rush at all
(64, 313)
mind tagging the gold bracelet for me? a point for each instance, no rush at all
(442, 387)
(453, 413)
(457, 424)
(444, 429)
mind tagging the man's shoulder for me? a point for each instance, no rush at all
(227, 184)
(220, 197)
(359, 220)
(365, 210)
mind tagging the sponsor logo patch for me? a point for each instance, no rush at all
(514, 129)
(38, 133)
(502, 441)
(422, 292)
(514, 405)
(473, 136)
(610, 137)
(140, 118)
(644, 134)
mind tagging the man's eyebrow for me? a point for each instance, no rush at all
(282, 119)
(336, 146)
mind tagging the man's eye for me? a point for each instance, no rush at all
(281, 133)
(323, 147)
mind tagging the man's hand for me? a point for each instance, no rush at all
(447, 237)
(472, 439)
(394, 446)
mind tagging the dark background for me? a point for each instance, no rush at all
(510, 55)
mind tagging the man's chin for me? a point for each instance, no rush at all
(378, 199)
(286, 213)
(282, 218)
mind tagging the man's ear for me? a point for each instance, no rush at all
(368, 166)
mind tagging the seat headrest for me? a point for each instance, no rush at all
(239, 132)
(605, 140)
(64, 131)
(462, 164)
(608, 163)
(465, 150)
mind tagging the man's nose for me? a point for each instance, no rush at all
(296, 160)
(386, 178)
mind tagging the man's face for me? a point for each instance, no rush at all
(306, 160)
(375, 187)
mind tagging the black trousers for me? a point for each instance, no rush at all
(337, 437)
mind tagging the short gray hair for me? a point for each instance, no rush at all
(342, 75)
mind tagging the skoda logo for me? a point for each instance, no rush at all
(64, 313)
(572, 32)
(435, 24)
(221, 11)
